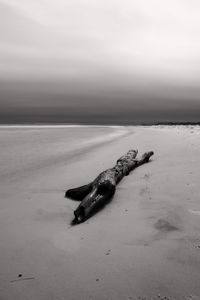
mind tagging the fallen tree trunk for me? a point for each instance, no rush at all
(96, 194)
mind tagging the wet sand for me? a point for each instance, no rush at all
(145, 244)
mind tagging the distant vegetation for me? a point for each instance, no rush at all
(172, 123)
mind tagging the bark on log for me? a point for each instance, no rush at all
(96, 194)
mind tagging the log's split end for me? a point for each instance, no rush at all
(146, 156)
(97, 193)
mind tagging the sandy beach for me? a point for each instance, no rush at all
(145, 244)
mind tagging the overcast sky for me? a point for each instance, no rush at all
(99, 60)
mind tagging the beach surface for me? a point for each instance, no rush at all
(145, 244)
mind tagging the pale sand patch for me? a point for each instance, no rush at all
(196, 212)
(145, 243)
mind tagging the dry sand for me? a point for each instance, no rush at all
(145, 244)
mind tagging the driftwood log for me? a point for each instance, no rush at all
(97, 193)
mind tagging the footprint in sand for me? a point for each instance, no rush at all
(193, 297)
(147, 176)
(154, 298)
(144, 190)
(165, 226)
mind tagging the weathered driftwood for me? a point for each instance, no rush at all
(96, 194)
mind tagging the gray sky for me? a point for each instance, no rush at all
(117, 61)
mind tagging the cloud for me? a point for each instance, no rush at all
(99, 60)
(84, 38)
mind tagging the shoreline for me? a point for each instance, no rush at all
(7, 126)
(74, 145)
(58, 126)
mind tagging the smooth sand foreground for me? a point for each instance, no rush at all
(145, 244)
